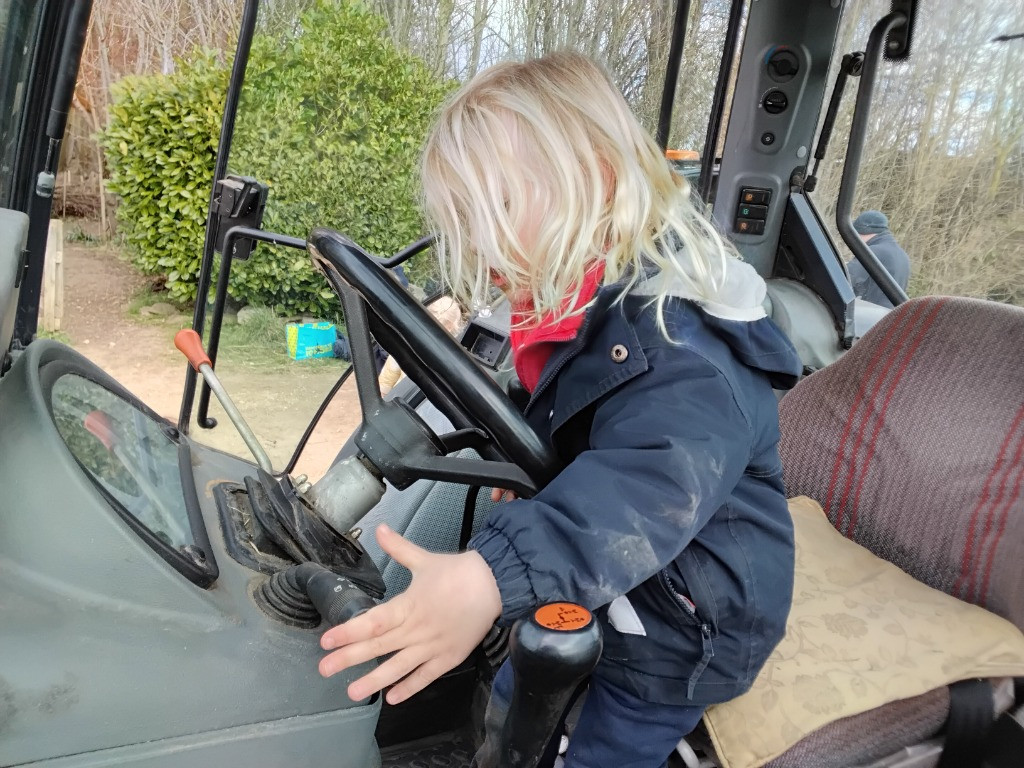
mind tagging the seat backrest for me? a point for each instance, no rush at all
(13, 235)
(913, 443)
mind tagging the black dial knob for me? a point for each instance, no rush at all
(783, 66)
(775, 102)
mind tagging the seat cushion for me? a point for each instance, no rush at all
(861, 634)
(912, 442)
(870, 736)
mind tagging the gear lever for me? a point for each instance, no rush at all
(551, 652)
(191, 346)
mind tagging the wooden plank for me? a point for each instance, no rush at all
(51, 305)
(58, 293)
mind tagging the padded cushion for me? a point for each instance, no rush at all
(913, 442)
(861, 634)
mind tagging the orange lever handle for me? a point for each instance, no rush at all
(191, 346)
(99, 424)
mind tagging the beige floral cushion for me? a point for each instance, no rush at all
(861, 633)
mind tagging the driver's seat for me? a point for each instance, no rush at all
(913, 443)
(13, 236)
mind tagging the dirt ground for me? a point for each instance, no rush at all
(277, 402)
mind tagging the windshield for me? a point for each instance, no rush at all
(437, 47)
(19, 20)
(336, 103)
(944, 152)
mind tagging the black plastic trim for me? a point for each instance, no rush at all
(807, 255)
(675, 59)
(36, 150)
(247, 30)
(725, 67)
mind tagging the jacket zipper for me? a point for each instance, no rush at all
(707, 648)
(568, 355)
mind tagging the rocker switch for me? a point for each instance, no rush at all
(752, 211)
(755, 196)
(749, 226)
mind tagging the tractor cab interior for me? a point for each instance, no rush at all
(163, 601)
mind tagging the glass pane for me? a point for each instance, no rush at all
(698, 75)
(339, 144)
(944, 151)
(126, 453)
(18, 27)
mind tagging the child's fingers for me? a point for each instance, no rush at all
(500, 494)
(423, 676)
(374, 623)
(401, 549)
(358, 653)
(391, 671)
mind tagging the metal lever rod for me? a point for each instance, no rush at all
(851, 168)
(189, 344)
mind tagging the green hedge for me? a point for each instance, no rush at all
(331, 117)
(160, 147)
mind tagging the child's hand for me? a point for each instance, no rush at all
(447, 610)
(500, 494)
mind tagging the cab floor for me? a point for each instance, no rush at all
(452, 750)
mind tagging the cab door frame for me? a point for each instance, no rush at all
(57, 48)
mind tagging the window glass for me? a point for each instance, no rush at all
(19, 20)
(944, 152)
(126, 453)
(698, 76)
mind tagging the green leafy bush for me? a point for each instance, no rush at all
(332, 117)
(160, 148)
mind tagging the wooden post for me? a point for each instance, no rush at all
(51, 305)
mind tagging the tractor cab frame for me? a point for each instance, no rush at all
(163, 600)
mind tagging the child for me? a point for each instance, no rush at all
(651, 364)
(448, 315)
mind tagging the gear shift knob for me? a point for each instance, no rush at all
(552, 652)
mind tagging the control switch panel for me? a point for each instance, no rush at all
(752, 211)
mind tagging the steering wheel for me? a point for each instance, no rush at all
(393, 437)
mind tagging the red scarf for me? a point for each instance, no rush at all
(532, 347)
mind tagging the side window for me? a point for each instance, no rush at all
(942, 177)
(706, 33)
(19, 22)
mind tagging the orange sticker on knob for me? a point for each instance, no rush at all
(562, 617)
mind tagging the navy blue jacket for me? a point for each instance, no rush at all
(893, 258)
(671, 496)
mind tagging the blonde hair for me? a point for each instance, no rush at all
(553, 139)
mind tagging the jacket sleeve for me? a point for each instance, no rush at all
(666, 450)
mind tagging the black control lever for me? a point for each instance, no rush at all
(336, 598)
(552, 653)
(307, 594)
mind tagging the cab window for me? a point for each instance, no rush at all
(944, 153)
(19, 26)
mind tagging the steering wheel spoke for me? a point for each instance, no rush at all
(486, 474)
(393, 438)
(461, 439)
